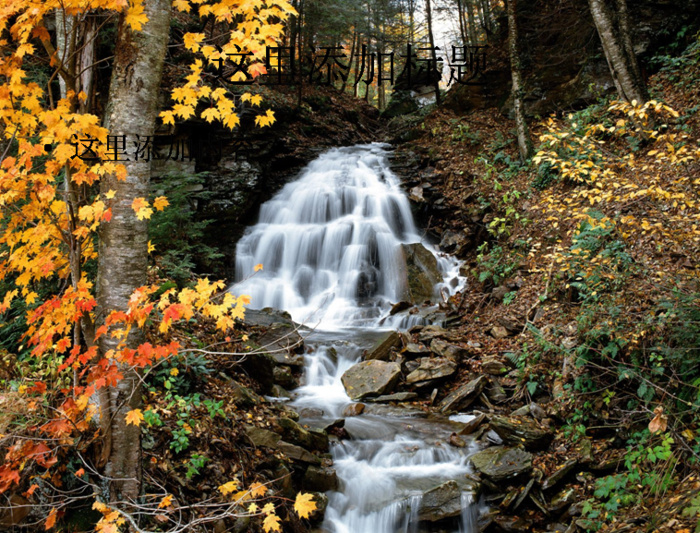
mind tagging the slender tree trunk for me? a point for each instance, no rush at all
(486, 21)
(352, 57)
(524, 142)
(133, 95)
(471, 23)
(460, 18)
(429, 20)
(614, 33)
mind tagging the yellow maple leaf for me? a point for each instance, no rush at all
(161, 203)
(166, 502)
(110, 194)
(304, 505)
(269, 508)
(135, 417)
(271, 523)
(182, 5)
(258, 489)
(150, 247)
(266, 119)
(210, 114)
(141, 208)
(135, 15)
(258, 267)
(228, 488)
(256, 100)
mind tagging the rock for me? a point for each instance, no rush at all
(562, 500)
(500, 462)
(398, 307)
(463, 396)
(382, 349)
(521, 411)
(320, 479)
(456, 441)
(311, 412)
(445, 349)
(523, 494)
(280, 392)
(415, 350)
(537, 412)
(443, 501)
(495, 392)
(513, 524)
(297, 453)
(243, 396)
(471, 426)
(261, 367)
(262, 437)
(499, 292)
(428, 333)
(309, 439)
(559, 474)
(421, 273)
(499, 332)
(396, 397)
(283, 376)
(454, 242)
(354, 409)
(370, 378)
(519, 430)
(282, 342)
(430, 370)
(493, 366)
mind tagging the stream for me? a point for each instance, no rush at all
(331, 246)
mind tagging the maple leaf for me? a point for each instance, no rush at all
(304, 505)
(51, 519)
(160, 203)
(266, 119)
(135, 417)
(151, 248)
(258, 267)
(210, 114)
(80, 472)
(258, 489)
(271, 523)
(229, 487)
(135, 15)
(141, 208)
(256, 100)
(659, 422)
(182, 5)
(166, 502)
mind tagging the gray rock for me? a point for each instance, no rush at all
(471, 426)
(443, 501)
(370, 378)
(282, 342)
(297, 453)
(428, 333)
(463, 396)
(500, 462)
(520, 430)
(309, 439)
(283, 376)
(445, 349)
(499, 332)
(421, 273)
(354, 409)
(396, 397)
(262, 437)
(559, 474)
(382, 349)
(495, 392)
(562, 500)
(493, 366)
(430, 370)
(416, 350)
(320, 479)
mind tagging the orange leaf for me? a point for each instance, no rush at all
(51, 519)
(134, 417)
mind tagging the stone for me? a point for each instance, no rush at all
(243, 396)
(513, 524)
(309, 439)
(280, 392)
(381, 351)
(523, 494)
(520, 430)
(414, 350)
(398, 307)
(493, 366)
(445, 349)
(456, 441)
(559, 474)
(260, 367)
(501, 462)
(370, 378)
(283, 376)
(499, 292)
(262, 437)
(498, 332)
(320, 479)
(396, 397)
(443, 501)
(428, 333)
(454, 242)
(421, 273)
(562, 500)
(430, 370)
(282, 342)
(354, 409)
(297, 453)
(463, 396)
(471, 426)
(495, 392)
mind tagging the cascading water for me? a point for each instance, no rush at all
(330, 246)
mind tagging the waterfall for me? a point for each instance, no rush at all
(331, 248)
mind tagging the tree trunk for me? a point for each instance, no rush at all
(429, 20)
(614, 33)
(133, 95)
(524, 142)
(471, 23)
(460, 18)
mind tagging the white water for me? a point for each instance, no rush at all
(330, 245)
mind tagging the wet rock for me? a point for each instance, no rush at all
(297, 453)
(262, 437)
(421, 273)
(354, 409)
(430, 370)
(445, 349)
(416, 350)
(261, 367)
(464, 395)
(456, 441)
(559, 474)
(562, 500)
(320, 479)
(513, 524)
(309, 439)
(537, 412)
(311, 412)
(283, 376)
(381, 351)
(454, 242)
(524, 493)
(282, 342)
(471, 426)
(495, 392)
(280, 392)
(399, 307)
(396, 397)
(370, 378)
(443, 501)
(521, 411)
(520, 430)
(493, 366)
(321, 501)
(243, 396)
(500, 462)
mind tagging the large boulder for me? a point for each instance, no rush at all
(370, 378)
(443, 501)
(421, 273)
(521, 430)
(382, 348)
(463, 396)
(500, 462)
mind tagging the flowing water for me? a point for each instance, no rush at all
(331, 248)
